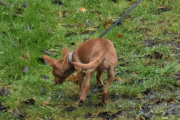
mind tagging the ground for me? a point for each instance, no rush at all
(147, 42)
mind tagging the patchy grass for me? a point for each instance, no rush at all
(147, 43)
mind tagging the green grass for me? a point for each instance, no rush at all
(49, 31)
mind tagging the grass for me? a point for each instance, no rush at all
(44, 25)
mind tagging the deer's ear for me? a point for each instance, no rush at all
(65, 51)
(52, 62)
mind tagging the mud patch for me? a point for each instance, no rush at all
(158, 55)
(45, 77)
(150, 43)
(105, 115)
(113, 98)
(88, 115)
(29, 102)
(3, 108)
(147, 91)
(164, 9)
(17, 113)
(173, 44)
(143, 30)
(4, 92)
(70, 109)
(110, 116)
(42, 88)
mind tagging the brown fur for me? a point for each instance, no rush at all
(94, 55)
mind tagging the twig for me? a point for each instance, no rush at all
(49, 53)
(13, 4)
(171, 109)
(48, 107)
(5, 3)
(8, 4)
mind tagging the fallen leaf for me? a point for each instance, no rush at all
(91, 29)
(87, 32)
(109, 21)
(46, 102)
(80, 26)
(109, 100)
(34, 98)
(107, 26)
(64, 13)
(157, 101)
(61, 14)
(26, 56)
(140, 96)
(166, 56)
(171, 100)
(73, 78)
(143, 117)
(119, 79)
(165, 118)
(119, 35)
(166, 8)
(1, 52)
(83, 9)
